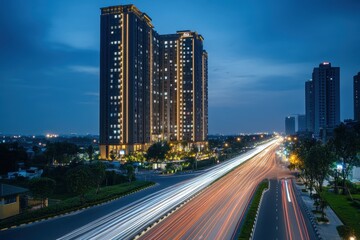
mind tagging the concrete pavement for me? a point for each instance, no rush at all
(325, 230)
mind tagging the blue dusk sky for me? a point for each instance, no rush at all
(260, 55)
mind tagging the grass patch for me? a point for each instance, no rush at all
(345, 232)
(251, 214)
(74, 203)
(344, 209)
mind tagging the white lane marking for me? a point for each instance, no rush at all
(287, 191)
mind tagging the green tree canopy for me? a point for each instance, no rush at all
(157, 151)
(90, 151)
(80, 180)
(42, 188)
(98, 171)
(346, 145)
(130, 171)
(10, 154)
(62, 152)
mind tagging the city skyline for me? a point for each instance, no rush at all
(257, 61)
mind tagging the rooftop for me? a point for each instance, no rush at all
(8, 190)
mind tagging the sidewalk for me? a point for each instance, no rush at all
(325, 230)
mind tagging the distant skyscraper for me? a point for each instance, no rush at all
(290, 125)
(301, 123)
(152, 87)
(309, 106)
(184, 87)
(357, 97)
(326, 80)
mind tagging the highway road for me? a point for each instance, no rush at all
(216, 212)
(281, 214)
(133, 218)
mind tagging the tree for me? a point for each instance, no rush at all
(322, 158)
(42, 188)
(98, 172)
(322, 205)
(113, 154)
(130, 171)
(90, 151)
(62, 152)
(301, 159)
(10, 154)
(157, 151)
(346, 145)
(192, 162)
(79, 180)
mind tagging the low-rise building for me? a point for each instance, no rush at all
(30, 173)
(10, 200)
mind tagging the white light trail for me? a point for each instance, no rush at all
(287, 191)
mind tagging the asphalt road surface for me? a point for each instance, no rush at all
(216, 212)
(282, 215)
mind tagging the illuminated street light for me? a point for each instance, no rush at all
(238, 139)
(226, 145)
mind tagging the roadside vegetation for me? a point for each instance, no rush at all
(333, 162)
(348, 210)
(90, 198)
(246, 229)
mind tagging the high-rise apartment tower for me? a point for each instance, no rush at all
(152, 87)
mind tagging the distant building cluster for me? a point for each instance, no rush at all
(322, 103)
(152, 87)
(290, 125)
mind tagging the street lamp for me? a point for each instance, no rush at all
(238, 139)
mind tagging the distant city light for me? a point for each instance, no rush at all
(339, 167)
(52, 135)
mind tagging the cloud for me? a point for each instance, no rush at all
(238, 77)
(85, 69)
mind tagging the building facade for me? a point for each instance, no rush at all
(184, 87)
(357, 97)
(322, 97)
(290, 125)
(152, 87)
(309, 106)
(301, 123)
